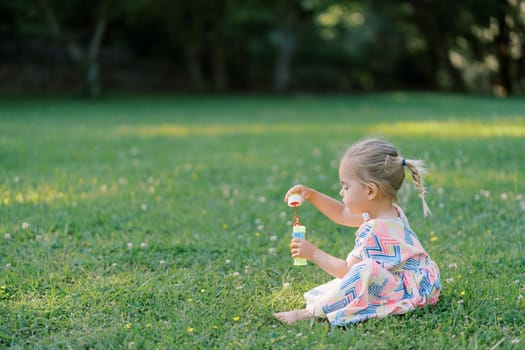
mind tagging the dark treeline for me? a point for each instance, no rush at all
(263, 45)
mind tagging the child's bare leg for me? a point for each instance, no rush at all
(293, 315)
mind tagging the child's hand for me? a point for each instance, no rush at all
(304, 191)
(301, 248)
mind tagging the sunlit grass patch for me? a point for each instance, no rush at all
(501, 127)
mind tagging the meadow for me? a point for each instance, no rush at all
(158, 222)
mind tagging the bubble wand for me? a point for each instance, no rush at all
(298, 230)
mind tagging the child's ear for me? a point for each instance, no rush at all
(372, 190)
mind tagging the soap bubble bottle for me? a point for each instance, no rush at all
(298, 230)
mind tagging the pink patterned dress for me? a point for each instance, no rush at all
(395, 275)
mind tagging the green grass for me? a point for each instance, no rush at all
(150, 219)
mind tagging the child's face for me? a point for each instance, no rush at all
(354, 192)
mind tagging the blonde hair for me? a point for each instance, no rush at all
(376, 161)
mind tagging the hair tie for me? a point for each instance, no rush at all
(404, 162)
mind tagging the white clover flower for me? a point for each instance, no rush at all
(122, 181)
(286, 285)
(143, 245)
(453, 266)
(104, 188)
(228, 261)
(38, 237)
(143, 207)
(282, 215)
(236, 274)
(515, 341)
(7, 236)
(16, 178)
(25, 226)
(273, 238)
(130, 245)
(504, 196)
(162, 262)
(450, 280)
(272, 251)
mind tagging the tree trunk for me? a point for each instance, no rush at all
(287, 44)
(502, 42)
(92, 81)
(220, 76)
(192, 48)
(88, 62)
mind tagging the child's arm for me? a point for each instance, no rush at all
(336, 267)
(330, 207)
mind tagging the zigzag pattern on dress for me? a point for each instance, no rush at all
(386, 250)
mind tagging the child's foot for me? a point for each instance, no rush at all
(292, 316)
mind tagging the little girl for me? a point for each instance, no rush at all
(388, 272)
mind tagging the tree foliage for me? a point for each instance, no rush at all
(255, 45)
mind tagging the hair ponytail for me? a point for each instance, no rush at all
(417, 168)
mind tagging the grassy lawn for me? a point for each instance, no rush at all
(159, 222)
